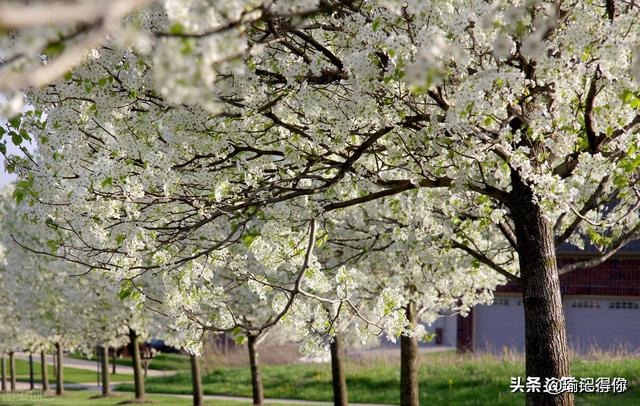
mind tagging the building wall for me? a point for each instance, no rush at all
(619, 276)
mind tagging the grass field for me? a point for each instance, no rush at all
(163, 362)
(445, 379)
(75, 398)
(71, 375)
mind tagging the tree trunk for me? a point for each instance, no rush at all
(45, 371)
(104, 370)
(337, 374)
(256, 378)
(545, 335)
(196, 381)
(59, 370)
(113, 362)
(12, 371)
(4, 373)
(137, 365)
(409, 363)
(31, 382)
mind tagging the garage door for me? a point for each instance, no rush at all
(500, 326)
(603, 323)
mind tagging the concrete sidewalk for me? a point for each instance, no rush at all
(91, 365)
(24, 386)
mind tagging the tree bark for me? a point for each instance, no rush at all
(545, 334)
(59, 370)
(256, 378)
(45, 371)
(4, 373)
(31, 381)
(196, 380)
(113, 362)
(409, 363)
(104, 370)
(137, 365)
(12, 371)
(340, 397)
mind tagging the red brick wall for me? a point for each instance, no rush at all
(615, 277)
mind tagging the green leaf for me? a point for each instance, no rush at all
(18, 195)
(107, 182)
(238, 336)
(176, 28)
(376, 24)
(54, 49)
(126, 290)
(16, 138)
(53, 245)
(120, 238)
(15, 121)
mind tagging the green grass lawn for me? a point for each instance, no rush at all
(74, 398)
(163, 362)
(445, 379)
(71, 375)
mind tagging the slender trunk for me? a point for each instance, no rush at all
(196, 381)
(4, 373)
(104, 369)
(340, 397)
(137, 365)
(409, 362)
(545, 334)
(256, 378)
(113, 362)
(31, 383)
(12, 371)
(45, 371)
(59, 370)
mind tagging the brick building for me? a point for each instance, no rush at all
(601, 305)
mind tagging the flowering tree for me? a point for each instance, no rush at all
(60, 303)
(399, 253)
(522, 115)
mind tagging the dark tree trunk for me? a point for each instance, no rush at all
(340, 397)
(545, 335)
(59, 370)
(196, 381)
(4, 373)
(409, 363)
(45, 371)
(12, 371)
(113, 362)
(31, 381)
(137, 365)
(256, 378)
(104, 370)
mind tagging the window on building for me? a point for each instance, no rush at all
(501, 301)
(623, 305)
(586, 304)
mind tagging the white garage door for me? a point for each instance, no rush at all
(603, 323)
(500, 326)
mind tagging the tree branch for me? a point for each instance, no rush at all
(483, 258)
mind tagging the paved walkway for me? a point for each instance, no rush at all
(94, 388)
(91, 365)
